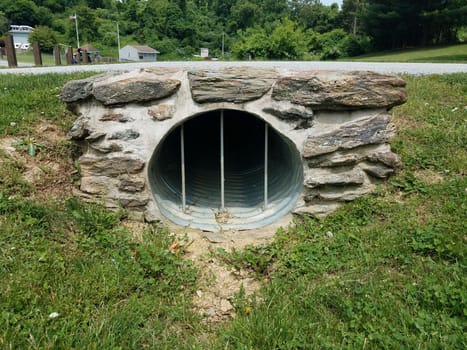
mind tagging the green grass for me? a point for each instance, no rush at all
(28, 98)
(444, 54)
(110, 291)
(384, 272)
(28, 57)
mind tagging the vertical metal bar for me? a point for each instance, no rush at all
(266, 138)
(222, 161)
(182, 153)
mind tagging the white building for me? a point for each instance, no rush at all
(138, 53)
(204, 52)
(20, 35)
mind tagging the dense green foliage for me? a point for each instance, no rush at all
(261, 29)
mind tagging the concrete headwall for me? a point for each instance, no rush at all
(337, 121)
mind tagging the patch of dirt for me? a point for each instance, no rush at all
(218, 282)
(429, 176)
(49, 172)
(405, 122)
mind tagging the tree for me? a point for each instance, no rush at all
(46, 37)
(401, 23)
(391, 23)
(3, 23)
(351, 14)
(21, 12)
(88, 25)
(441, 20)
(288, 41)
(244, 14)
(282, 40)
(311, 14)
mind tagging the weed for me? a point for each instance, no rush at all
(29, 146)
(11, 179)
(408, 184)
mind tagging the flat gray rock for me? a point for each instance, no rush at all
(111, 166)
(134, 90)
(230, 85)
(367, 131)
(324, 90)
(215, 237)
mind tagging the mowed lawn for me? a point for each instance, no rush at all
(387, 271)
(444, 54)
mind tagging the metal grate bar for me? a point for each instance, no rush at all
(266, 139)
(182, 153)
(222, 161)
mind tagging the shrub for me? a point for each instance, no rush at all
(46, 37)
(352, 45)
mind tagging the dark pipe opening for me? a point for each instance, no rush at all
(244, 146)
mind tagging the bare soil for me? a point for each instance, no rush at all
(50, 171)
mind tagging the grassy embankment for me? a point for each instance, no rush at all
(391, 275)
(443, 54)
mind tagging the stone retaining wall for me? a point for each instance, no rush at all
(338, 121)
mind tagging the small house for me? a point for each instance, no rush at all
(20, 34)
(90, 49)
(138, 53)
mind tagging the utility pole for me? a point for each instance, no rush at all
(118, 42)
(223, 34)
(75, 17)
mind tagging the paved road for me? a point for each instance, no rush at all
(382, 67)
(4, 63)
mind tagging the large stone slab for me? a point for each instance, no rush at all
(337, 193)
(139, 89)
(334, 177)
(236, 85)
(367, 131)
(77, 90)
(341, 91)
(110, 166)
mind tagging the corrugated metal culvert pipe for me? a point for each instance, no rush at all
(225, 169)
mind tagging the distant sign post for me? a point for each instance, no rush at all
(204, 52)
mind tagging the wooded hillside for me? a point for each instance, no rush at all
(264, 29)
